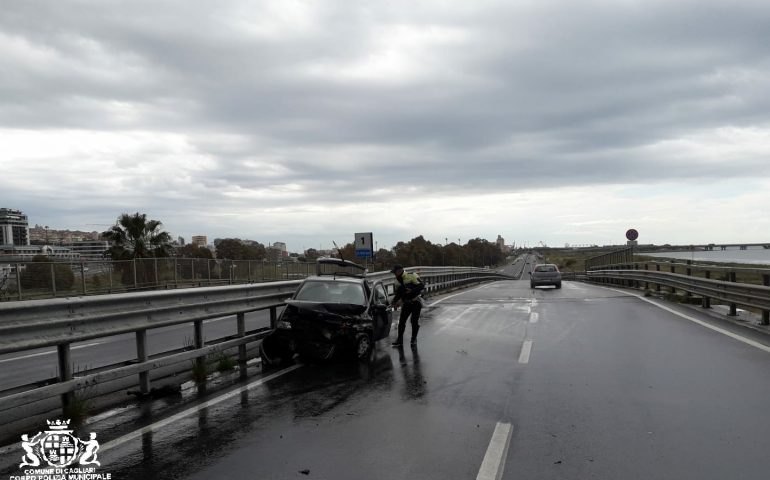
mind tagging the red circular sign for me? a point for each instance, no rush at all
(632, 234)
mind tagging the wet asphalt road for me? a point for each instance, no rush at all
(612, 388)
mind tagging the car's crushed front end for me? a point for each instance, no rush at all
(315, 330)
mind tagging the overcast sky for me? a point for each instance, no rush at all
(306, 121)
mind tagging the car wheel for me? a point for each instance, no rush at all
(267, 364)
(363, 346)
(558, 285)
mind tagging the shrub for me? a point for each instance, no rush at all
(37, 274)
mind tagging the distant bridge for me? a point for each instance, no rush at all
(742, 246)
(708, 247)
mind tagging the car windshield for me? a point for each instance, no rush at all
(332, 292)
(545, 268)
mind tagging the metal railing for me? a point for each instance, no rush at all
(60, 322)
(752, 292)
(624, 256)
(35, 280)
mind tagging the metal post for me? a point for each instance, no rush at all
(192, 271)
(248, 264)
(706, 300)
(157, 280)
(766, 313)
(673, 270)
(176, 273)
(65, 373)
(135, 284)
(53, 280)
(200, 362)
(657, 285)
(141, 356)
(208, 266)
(110, 274)
(733, 307)
(241, 320)
(689, 274)
(273, 317)
(83, 276)
(18, 280)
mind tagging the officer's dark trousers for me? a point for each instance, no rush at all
(407, 309)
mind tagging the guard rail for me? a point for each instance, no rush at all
(730, 292)
(62, 321)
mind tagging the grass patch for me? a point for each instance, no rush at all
(225, 363)
(78, 408)
(199, 371)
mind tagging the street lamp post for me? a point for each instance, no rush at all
(443, 251)
(459, 252)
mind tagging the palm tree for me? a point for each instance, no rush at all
(133, 236)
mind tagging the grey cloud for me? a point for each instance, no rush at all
(557, 93)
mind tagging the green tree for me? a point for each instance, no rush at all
(237, 249)
(194, 251)
(134, 237)
(348, 252)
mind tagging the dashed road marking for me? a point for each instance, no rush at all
(534, 317)
(494, 460)
(526, 351)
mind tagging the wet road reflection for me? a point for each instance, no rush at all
(315, 393)
(414, 385)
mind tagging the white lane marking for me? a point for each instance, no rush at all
(728, 333)
(208, 403)
(494, 460)
(526, 350)
(534, 317)
(76, 347)
(456, 294)
(450, 321)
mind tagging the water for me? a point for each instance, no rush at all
(754, 255)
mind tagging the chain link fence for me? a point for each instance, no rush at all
(37, 280)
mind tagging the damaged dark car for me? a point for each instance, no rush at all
(334, 313)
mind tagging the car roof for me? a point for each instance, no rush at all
(338, 278)
(338, 262)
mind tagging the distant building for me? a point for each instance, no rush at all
(25, 253)
(199, 240)
(14, 227)
(89, 250)
(500, 243)
(49, 236)
(180, 241)
(277, 252)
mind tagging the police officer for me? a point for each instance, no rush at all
(408, 290)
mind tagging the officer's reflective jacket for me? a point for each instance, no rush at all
(408, 287)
